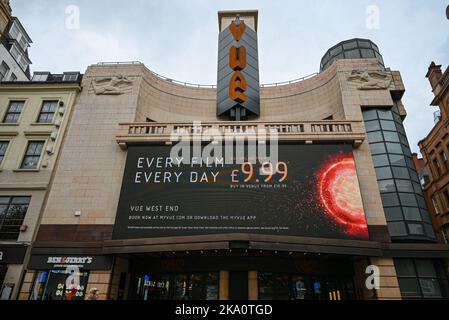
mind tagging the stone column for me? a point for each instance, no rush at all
(27, 286)
(224, 286)
(253, 286)
(389, 285)
(100, 280)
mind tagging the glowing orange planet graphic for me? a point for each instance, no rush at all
(339, 193)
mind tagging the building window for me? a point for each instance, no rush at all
(13, 113)
(47, 112)
(32, 155)
(12, 213)
(4, 69)
(445, 160)
(40, 76)
(13, 77)
(70, 76)
(436, 204)
(436, 164)
(421, 279)
(52, 285)
(3, 147)
(445, 234)
(446, 197)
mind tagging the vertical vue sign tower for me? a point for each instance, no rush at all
(238, 67)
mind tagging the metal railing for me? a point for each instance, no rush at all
(276, 84)
(207, 86)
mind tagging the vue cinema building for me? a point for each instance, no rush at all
(343, 194)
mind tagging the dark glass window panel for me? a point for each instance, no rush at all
(336, 50)
(412, 214)
(444, 284)
(379, 57)
(390, 199)
(386, 186)
(394, 148)
(400, 173)
(370, 114)
(350, 45)
(430, 288)
(405, 268)
(21, 200)
(408, 199)
(429, 230)
(410, 288)
(374, 47)
(3, 210)
(384, 173)
(403, 140)
(400, 129)
(416, 228)
(339, 56)
(385, 114)
(404, 185)
(377, 148)
(407, 151)
(413, 175)
(364, 44)
(410, 163)
(397, 229)
(375, 136)
(425, 215)
(367, 53)
(381, 160)
(372, 125)
(391, 136)
(421, 202)
(393, 214)
(388, 125)
(425, 268)
(397, 160)
(352, 54)
(439, 269)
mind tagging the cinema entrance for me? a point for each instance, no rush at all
(238, 276)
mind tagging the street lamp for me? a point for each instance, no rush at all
(447, 12)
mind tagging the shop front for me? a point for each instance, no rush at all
(64, 277)
(11, 262)
(239, 275)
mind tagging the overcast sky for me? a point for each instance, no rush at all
(178, 38)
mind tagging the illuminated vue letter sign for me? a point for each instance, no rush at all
(317, 195)
(238, 72)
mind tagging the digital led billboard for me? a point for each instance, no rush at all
(312, 190)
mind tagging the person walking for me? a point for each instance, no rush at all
(93, 294)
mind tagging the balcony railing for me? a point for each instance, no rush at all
(302, 132)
